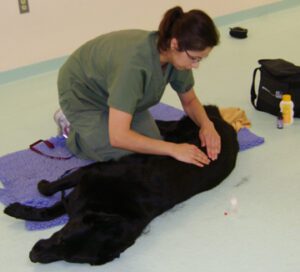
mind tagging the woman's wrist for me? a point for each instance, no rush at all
(206, 123)
(170, 149)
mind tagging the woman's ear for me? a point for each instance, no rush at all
(174, 44)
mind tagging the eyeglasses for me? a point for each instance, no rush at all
(192, 58)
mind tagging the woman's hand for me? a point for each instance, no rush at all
(189, 153)
(210, 139)
(208, 135)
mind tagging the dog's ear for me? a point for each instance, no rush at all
(101, 218)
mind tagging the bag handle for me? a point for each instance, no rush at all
(253, 93)
(49, 145)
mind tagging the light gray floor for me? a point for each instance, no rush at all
(262, 235)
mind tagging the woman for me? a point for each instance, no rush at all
(107, 85)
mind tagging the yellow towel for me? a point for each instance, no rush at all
(236, 117)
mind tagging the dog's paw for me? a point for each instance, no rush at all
(13, 209)
(43, 188)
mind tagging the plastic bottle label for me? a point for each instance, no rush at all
(286, 113)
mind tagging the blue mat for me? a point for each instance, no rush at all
(20, 171)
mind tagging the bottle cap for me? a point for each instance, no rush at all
(286, 97)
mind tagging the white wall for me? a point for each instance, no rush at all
(54, 28)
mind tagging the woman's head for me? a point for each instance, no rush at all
(193, 30)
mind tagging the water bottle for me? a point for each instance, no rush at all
(287, 109)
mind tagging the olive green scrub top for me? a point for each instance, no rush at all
(120, 70)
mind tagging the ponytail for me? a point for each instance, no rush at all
(166, 26)
(194, 30)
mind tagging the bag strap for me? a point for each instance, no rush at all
(49, 145)
(253, 93)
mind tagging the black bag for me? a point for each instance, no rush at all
(277, 77)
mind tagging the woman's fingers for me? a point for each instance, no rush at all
(213, 148)
(191, 154)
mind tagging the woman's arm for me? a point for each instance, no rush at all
(208, 135)
(122, 136)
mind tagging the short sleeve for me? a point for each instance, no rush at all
(182, 81)
(125, 89)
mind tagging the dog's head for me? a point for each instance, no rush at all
(95, 238)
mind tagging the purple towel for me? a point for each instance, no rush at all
(20, 171)
(248, 139)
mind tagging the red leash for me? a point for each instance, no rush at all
(49, 145)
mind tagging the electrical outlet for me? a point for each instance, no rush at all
(23, 6)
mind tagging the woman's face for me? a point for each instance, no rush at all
(187, 59)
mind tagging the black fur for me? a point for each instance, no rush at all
(112, 202)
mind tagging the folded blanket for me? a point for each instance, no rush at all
(236, 117)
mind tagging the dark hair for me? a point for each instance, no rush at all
(194, 30)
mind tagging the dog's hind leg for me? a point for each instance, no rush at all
(24, 212)
(48, 188)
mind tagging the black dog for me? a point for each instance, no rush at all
(112, 202)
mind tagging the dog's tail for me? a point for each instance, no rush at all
(24, 212)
